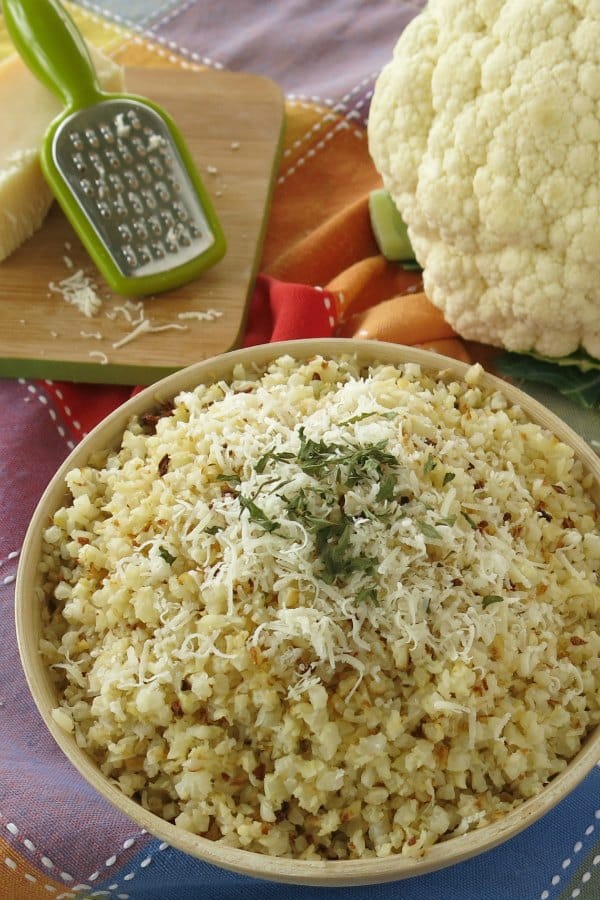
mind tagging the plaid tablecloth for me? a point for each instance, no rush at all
(57, 838)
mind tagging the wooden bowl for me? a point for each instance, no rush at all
(328, 873)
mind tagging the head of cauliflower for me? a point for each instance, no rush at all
(485, 128)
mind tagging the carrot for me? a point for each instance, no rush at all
(453, 347)
(408, 319)
(368, 282)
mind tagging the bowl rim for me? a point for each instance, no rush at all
(329, 873)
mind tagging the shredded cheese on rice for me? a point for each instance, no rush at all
(328, 611)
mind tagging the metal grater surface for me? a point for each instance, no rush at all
(126, 174)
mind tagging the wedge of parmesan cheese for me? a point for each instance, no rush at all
(27, 110)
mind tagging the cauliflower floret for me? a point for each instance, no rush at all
(485, 130)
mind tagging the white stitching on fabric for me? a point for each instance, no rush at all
(144, 863)
(74, 889)
(122, 30)
(172, 13)
(586, 877)
(170, 8)
(182, 51)
(577, 847)
(327, 305)
(106, 14)
(31, 388)
(328, 136)
(15, 831)
(343, 125)
(108, 863)
(58, 394)
(139, 37)
(9, 557)
(309, 101)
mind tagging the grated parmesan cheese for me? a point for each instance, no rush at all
(209, 315)
(155, 141)
(328, 611)
(123, 129)
(100, 356)
(92, 335)
(131, 310)
(146, 327)
(79, 291)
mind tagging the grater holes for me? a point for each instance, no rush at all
(116, 183)
(134, 187)
(101, 188)
(144, 254)
(140, 229)
(174, 233)
(119, 206)
(162, 191)
(139, 146)
(167, 219)
(149, 198)
(174, 184)
(92, 138)
(131, 179)
(180, 211)
(113, 160)
(155, 165)
(155, 226)
(106, 133)
(123, 151)
(129, 256)
(144, 174)
(76, 141)
(135, 202)
(133, 119)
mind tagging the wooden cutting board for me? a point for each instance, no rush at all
(233, 126)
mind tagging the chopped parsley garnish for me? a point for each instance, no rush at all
(350, 464)
(333, 547)
(271, 456)
(448, 477)
(338, 467)
(471, 521)
(367, 595)
(230, 478)
(428, 530)
(257, 515)
(430, 464)
(386, 488)
(168, 557)
(449, 520)
(491, 598)
(319, 508)
(365, 415)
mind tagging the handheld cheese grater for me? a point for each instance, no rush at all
(116, 163)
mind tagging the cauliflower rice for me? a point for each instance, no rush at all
(328, 610)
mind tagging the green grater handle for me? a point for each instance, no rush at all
(52, 47)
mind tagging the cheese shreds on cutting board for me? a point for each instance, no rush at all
(27, 110)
